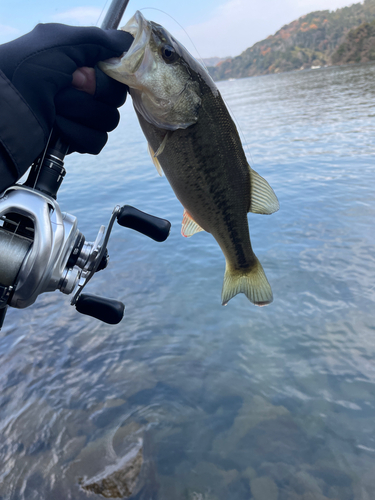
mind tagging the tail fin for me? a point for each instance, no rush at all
(252, 282)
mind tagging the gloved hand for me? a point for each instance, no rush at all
(40, 65)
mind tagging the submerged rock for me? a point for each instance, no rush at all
(254, 411)
(199, 496)
(249, 473)
(118, 480)
(340, 493)
(264, 488)
(313, 496)
(303, 482)
(280, 472)
(364, 489)
(289, 494)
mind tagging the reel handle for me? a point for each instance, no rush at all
(149, 225)
(109, 311)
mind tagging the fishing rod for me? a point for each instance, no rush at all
(41, 247)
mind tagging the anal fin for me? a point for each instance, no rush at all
(262, 197)
(189, 226)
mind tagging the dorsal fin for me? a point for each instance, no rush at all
(262, 197)
(189, 226)
(155, 161)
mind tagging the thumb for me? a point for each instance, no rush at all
(84, 79)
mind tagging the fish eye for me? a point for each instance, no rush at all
(169, 54)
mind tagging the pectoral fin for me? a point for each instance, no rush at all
(155, 161)
(262, 197)
(189, 226)
(162, 145)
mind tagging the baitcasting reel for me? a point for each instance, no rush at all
(42, 250)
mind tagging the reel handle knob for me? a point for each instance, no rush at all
(107, 310)
(149, 225)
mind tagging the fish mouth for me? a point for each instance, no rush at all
(135, 25)
(130, 61)
(145, 72)
(140, 29)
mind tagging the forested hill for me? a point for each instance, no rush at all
(316, 39)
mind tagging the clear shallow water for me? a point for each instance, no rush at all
(232, 403)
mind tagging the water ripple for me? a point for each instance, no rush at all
(221, 396)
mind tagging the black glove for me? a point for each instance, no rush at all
(40, 66)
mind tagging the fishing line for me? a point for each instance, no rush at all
(183, 29)
(100, 15)
(204, 65)
(42, 159)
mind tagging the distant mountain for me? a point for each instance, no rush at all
(359, 45)
(213, 61)
(316, 39)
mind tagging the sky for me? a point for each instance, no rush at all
(207, 28)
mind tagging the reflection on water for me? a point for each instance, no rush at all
(226, 403)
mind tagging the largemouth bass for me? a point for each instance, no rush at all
(193, 139)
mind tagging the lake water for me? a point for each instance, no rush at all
(229, 403)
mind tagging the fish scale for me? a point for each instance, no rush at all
(203, 183)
